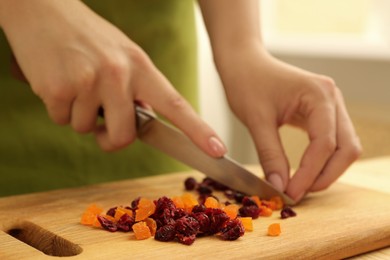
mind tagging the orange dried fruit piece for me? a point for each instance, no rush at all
(256, 199)
(152, 225)
(178, 201)
(265, 211)
(120, 211)
(189, 201)
(89, 215)
(279, 204)
(141, 230)
(247, 223)
(269, 204)
(211, 202)
(146, 207)
(274, 229)
(231, 210)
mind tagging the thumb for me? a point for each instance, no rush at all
(271, 154)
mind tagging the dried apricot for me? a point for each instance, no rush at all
(152, 225)
(279, 204)
(247, 223)
(146, 207)
(256, 199)
(211, 202)
(274, 230)
(231, 210)
(90, 214)
(189, 201)
(120, 211)
(178, 201)
(141, 230)
(265, 211)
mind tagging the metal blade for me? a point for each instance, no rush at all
(169, 140)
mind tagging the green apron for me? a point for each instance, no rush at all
(37, 155)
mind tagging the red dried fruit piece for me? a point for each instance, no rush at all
(274, 230)
(287, 212)
(190, 183)
(250, 211)
(141, 230)
(125, 222)
(233, 230)
(120, 211)
(145, 208)
(204, 222)
(165, 233)
(107, 223)
(218, 219)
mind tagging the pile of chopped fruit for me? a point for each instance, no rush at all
(183, 218)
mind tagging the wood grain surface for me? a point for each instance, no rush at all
(340, 222)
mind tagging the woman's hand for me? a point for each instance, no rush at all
(266, 93)
(76, 62)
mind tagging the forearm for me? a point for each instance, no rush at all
(231, 24)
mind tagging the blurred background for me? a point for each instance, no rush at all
(347, 40)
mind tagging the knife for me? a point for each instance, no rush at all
(160, 135)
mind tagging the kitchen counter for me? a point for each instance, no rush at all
(331, 224)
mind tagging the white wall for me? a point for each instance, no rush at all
(361, 70)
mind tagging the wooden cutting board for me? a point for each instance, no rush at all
(340, 222)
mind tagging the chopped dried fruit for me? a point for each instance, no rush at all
(231, 210)
(247, 223)
(165, 233)
(279, 204)
(141, 230)
(152, 225)
(185, 218)
(119, 212)
(274, 230)
(250, 211)
(265, 211)
(178, 201)
(256, 199)
(145, 208)
(189, 201)
(233, 230)
(190, 183)
(89, 215)
(287, 212)
(211, 202)
(107, 222)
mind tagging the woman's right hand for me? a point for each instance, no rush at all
(76, 62)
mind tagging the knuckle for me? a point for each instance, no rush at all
(123, 140)
(329, 144)
(116, 69)
(139, 57)
(354, 151)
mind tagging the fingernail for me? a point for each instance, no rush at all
(276, 181)
(217, 147)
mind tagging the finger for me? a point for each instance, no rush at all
(271, 153)
(156, 90)
(321, 128)
(59, 111)
(84, 113)
(348, 149)
(119, 117)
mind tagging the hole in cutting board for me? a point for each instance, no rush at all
(44, 240)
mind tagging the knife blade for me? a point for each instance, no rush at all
(225, 170)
